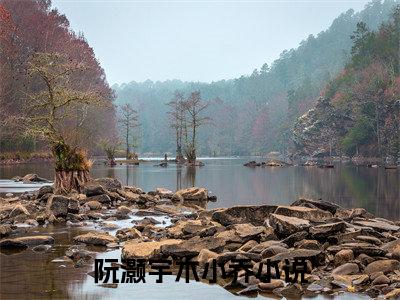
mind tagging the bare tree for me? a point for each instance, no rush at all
(55, 103)
(178, 122)
(194, 107)
(110, 146)
(128, 120)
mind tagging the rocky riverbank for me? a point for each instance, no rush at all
(345, 250)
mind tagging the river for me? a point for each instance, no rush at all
(30, 275)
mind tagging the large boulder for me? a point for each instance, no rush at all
(128, 195)
(199, 227)
(58, 205)
(96, 238)
(254, 214)
(325, 230)
(346, 269)
(193, 246)
(316, 256)
(285, 225)
(136, 249)
(378, 225)
(385, 266)
(47, 189)
(323, 205)
(359, 248)
(311, 214)
(191, 194)
(26, 241)
(103, 198)
(164, 193)
(33, 178)
(93, 189)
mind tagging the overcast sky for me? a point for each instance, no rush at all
(195, 40)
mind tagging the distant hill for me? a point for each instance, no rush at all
(359, 110)
(255, 113)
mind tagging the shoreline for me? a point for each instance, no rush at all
(350, 247)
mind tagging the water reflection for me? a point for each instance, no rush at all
(377, 190)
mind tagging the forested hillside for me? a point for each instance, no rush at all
(359, 111)
(31, 29)
(255, 113)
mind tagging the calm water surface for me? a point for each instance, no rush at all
(30, 275)
(375, 189)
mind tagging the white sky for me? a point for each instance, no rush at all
(195, 40)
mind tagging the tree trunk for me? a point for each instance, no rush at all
(68, 181)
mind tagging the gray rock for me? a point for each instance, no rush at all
(57, 205)
(346, 269)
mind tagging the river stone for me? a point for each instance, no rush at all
(93, 205)
(164, 193)
(103, 198)
(95, 238)
(33, 178)
(394, 294)
(26, 241)
(73, 206)
(298, 253)
(193, 246)
(190, 194)
(92, 189)
(308, 244)
(205, 256)
(57, 205)
(128, 234)
(326, 230)
(146, 250)
(254, 214)
(47, 189)
(385, 266)
(377, 225)
(351, 213)
(109, 184)
(343, 256)
(295, 237)
(248, 245)
(346, 269)
(306, 213)
(269, 286)
(359, 248)
(128, 195)
(273, 250)
(264, 245)
(285, 225)
(323, 205)
(393, 246)
(289, 291)
(248, 231)
(382, 279)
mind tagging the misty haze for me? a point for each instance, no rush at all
(199, 149)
